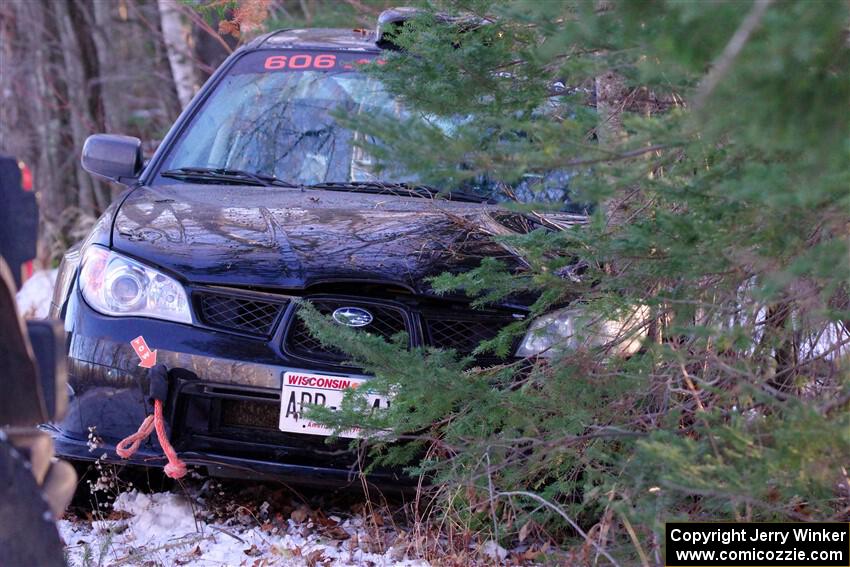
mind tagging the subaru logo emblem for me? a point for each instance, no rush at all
(352, 316)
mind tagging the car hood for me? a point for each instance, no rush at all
(270, 237)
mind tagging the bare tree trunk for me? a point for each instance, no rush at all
(54, 142)
(179, 55)
(610, 102)
(84, 24)
(9, 112)
(167, 100)
(77, 99)
(101, 17)
(81, 14)
(610, 99)
(48, 128)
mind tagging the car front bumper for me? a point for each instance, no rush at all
(221, 410)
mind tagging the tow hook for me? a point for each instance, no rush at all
(157, 394)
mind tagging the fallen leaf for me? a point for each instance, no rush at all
(118, 515)
(253, 551)
(323, 520)
(336, 532)
(523, 531)
(314, 557)
(300, 514)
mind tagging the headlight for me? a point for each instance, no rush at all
(118, 286)
(66, 273)
(571, 328)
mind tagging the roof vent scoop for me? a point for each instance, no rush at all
(392, 19)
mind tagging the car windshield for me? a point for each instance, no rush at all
(274, 114)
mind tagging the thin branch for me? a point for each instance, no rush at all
(618, 156)
(731, 52)
(199, 21)
(564, 515)
(492, 498)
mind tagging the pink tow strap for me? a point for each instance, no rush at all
(128, 446)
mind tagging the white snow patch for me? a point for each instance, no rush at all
(165, 529)
(35, 295)
(494, 551)
(156, 514)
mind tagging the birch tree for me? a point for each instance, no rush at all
(175, 34)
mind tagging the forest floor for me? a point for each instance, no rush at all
(207, 522)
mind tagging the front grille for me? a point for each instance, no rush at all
(234, 313)
(387, 321)
(244, 413)
(245, 424)
(462, 335)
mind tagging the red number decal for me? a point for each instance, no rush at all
(300, 61)
(326, 61)
(276, 62)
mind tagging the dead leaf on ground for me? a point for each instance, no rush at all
(314, 557)
(336, 532)
(118, 515)
(322, 520)
(253, 551)
(523, 531)
(300, 514)
(189, 557)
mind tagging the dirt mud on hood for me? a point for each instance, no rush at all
(290, 239)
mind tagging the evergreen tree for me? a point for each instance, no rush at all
(711, 143)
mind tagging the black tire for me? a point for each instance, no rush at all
(28, 534)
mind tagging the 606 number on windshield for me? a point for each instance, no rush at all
(301, 61)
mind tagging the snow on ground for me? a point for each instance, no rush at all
(34, 297)
(167, 529)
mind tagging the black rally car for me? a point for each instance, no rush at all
(258, 196)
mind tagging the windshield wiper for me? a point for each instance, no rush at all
(404, 189)
(226, 175)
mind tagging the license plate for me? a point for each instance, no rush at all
(302, 389)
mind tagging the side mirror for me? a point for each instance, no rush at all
(112, 157)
